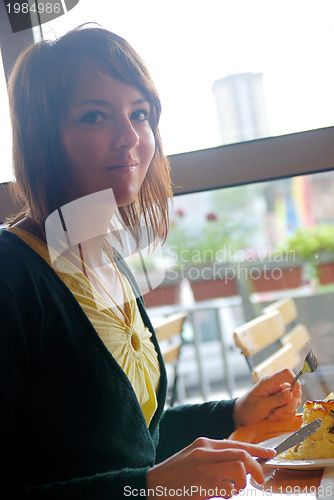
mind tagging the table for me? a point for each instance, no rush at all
(280, 483)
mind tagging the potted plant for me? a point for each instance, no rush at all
(226, 241)
(315, 245)
(274, 271)
(204, 259)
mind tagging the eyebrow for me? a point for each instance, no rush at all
(102, 102)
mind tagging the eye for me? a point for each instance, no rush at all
(141, 115)
(94, 117)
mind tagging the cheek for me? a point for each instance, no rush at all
(147, 146)
(80, 149)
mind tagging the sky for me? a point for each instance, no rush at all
(189, 44)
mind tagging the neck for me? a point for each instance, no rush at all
(28, 224)
(91, 251)
(84, 221)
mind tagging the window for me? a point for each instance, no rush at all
(245, 247)
(227, 71)
(5, 131)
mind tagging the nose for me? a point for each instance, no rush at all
(125, 137)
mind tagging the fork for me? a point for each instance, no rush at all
(310, 365)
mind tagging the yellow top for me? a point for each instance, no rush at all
(127, 339)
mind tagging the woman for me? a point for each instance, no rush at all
(82, 382)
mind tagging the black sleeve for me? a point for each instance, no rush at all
(181, 425)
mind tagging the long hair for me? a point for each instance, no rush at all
(41, 87)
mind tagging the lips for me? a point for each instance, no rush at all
(124, 163)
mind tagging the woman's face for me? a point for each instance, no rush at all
(107, 137)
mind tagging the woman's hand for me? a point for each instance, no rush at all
(270, 398)
(207, 468)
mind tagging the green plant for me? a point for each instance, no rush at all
(215, 241)
(308, 242)
(179, 241)
(326, 237)
(221, 237)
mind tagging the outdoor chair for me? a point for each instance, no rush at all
(169, 333)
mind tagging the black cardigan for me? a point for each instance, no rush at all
(70, 423)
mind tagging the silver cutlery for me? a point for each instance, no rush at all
(310, 365)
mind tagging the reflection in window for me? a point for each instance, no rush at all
(251, 245)
(240, 249)
(256, 221)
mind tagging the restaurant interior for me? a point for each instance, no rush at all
(247, 125)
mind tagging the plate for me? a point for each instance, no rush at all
(317, 463)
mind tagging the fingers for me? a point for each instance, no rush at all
(287, 411)
(283, 403)
(273, 383)
(228, 468)
(208, 464)
(283, 413)
(231, 460)
(283, 396)
(214, 445)
(233, 469)
(287, 401)
(297, 390)
(233, 475)
(264, 399)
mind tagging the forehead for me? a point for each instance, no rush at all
(91, 82)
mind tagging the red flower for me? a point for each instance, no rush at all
(179, 213)
(211, 216)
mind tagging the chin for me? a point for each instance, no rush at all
(123, 200)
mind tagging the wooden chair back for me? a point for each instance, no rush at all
(287, 309)
(169, 334)
(259, 333)
(261, 342)
(296, 333)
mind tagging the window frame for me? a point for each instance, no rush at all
(11, 44)
(254, 161)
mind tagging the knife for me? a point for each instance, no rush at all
(295, 438)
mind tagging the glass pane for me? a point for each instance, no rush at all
(286, 219)
(5, 131)
(242, 248)
(227, 71)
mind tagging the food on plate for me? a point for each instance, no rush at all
(321, 443)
